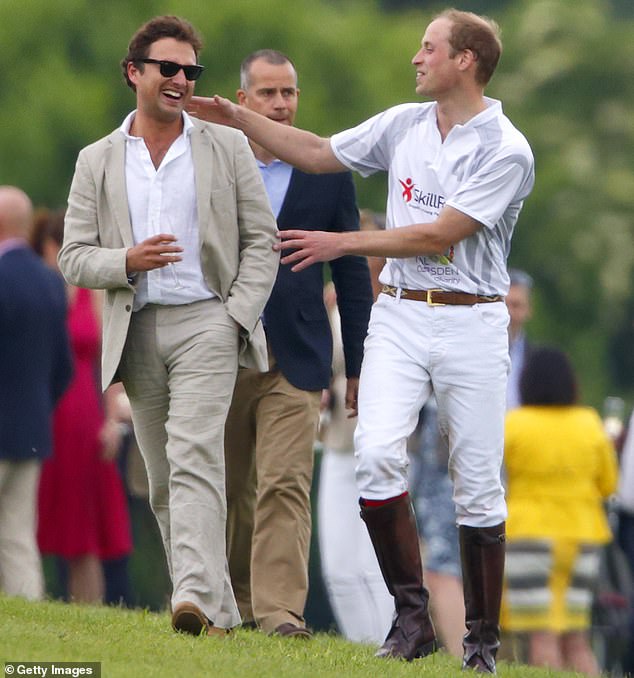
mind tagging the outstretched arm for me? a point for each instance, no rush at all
(297, 147)
(434, 237)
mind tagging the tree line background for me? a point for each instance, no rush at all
(566, 79)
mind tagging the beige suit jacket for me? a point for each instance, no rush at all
(236, 226)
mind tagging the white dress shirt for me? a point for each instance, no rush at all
(163, 200)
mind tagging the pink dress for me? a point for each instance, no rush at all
(82, 505)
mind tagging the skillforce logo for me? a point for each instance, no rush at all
(414, 197)
(429, 202)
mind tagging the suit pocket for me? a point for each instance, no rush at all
(313, 314)
(220, 232)
(223, 202)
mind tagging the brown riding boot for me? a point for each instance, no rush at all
(392, 529)
(482, 552)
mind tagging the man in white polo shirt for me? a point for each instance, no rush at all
(458, 175)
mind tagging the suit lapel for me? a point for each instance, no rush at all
(202, 154)
(294, 185)
(116, 187)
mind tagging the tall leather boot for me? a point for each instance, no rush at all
(482, 551)
(392, 529)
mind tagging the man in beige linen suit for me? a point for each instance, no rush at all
(169, 216)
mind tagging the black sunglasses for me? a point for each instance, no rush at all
(170, 68)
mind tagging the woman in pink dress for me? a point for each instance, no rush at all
(83, 511)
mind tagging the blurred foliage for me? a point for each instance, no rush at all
(565, 80)
(490, 7)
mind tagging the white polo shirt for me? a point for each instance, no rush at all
(483, 168)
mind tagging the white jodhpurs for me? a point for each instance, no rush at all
(459, 352)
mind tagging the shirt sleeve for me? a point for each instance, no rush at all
(367, 148)
(500, 184)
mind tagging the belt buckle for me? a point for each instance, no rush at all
(429, 298)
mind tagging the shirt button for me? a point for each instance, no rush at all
(128, 307)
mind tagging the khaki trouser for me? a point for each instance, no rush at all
(270, 434)
(178, 368)
(20, 563)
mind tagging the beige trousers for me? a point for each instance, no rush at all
(270, 435)
(179, 367)
(20, 563)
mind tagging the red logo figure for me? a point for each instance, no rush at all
(408, 187)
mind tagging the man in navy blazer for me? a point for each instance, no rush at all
(274, 416)
(35, 369)
(520, 307)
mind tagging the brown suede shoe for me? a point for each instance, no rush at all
(218, 632)
(188, 618)
(289, 630)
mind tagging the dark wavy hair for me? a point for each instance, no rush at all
(155, 29)
(548, 378)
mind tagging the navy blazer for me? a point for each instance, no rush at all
(35, 357)
(295, 318)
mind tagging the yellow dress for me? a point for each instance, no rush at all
(560, 467)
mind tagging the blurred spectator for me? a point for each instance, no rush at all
(373, 221)
(83, 509)
(35, 368)
(625, 504)
(432, 492)
(359, 598)
(519, 304)
(560, 467)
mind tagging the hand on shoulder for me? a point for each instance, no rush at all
(213, 109)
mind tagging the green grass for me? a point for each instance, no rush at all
(140, 644)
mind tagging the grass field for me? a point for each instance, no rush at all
(139, 644)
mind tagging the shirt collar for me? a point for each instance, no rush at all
(493, 110)
(12, 244)
(276, 162)
(188, 125)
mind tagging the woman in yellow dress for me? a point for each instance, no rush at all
(560, 467)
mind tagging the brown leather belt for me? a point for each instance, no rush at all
(440, 297)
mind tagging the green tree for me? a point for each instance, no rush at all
(565, 79)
